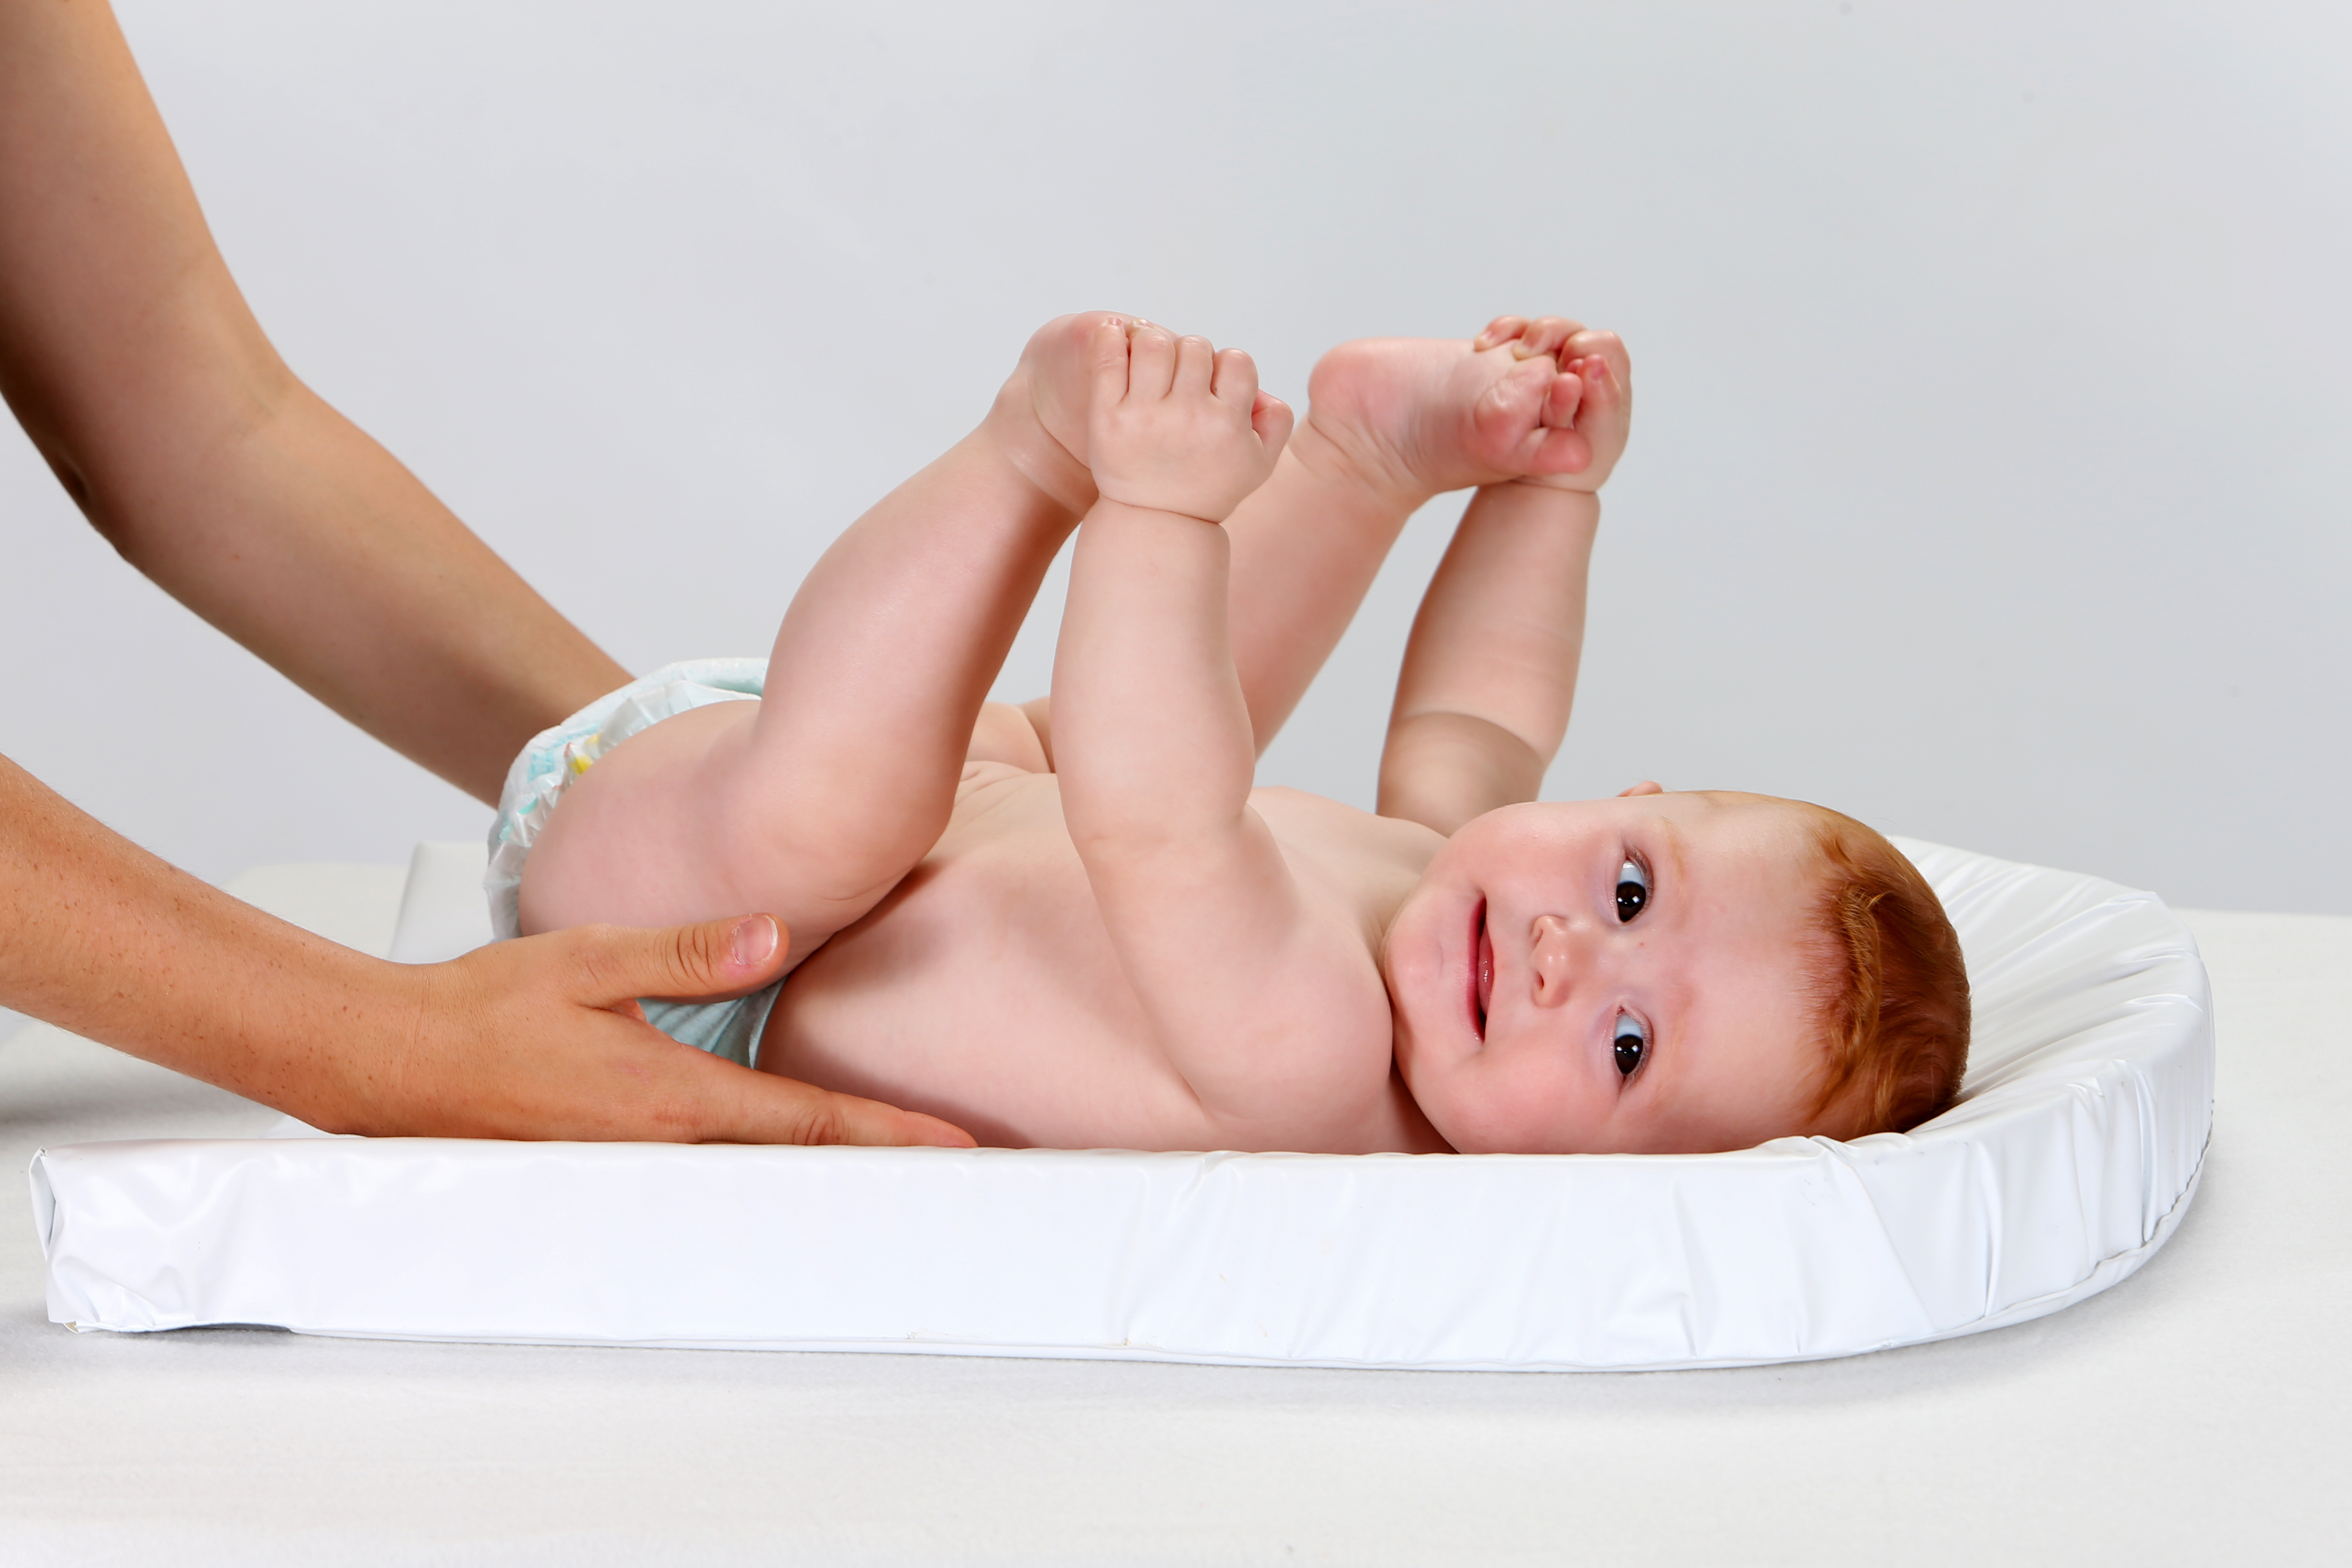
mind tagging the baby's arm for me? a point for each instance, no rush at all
(1151, 736)
(1490, 673)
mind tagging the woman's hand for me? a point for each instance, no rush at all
(542, 1038)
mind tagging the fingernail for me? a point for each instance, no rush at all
(754, 942)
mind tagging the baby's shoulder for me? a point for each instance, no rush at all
(1345, 840)
(1289, 810)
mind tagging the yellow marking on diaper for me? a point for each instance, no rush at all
(580, 764)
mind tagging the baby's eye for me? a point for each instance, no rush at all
(1633, 1042)
(1633, 889)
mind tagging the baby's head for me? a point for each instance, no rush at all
(1674, 974)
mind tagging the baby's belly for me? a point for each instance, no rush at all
(984, 990)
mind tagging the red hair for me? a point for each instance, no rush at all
(1894, 994)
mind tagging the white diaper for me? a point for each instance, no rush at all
(558, 756)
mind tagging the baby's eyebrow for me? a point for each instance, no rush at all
(1675, 844)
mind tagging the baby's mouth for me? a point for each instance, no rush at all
(1482, 968)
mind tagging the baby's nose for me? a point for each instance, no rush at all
(1557, 953)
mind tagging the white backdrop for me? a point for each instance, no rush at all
(1989, 473)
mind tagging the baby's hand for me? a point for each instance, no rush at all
(1177, 427)
(1590, 405)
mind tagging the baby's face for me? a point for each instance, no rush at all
(1614, 975)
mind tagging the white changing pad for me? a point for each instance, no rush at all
(2070, 1160)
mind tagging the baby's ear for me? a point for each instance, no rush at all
(1647, 787)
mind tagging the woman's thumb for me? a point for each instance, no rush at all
(682, 963)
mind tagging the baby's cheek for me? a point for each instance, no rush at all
(1477, 1112)
(1431, 1087)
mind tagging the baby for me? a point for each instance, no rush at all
(1076, 923)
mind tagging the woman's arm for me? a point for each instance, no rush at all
(535, 1039)
(138, 372)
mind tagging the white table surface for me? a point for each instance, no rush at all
(2197, 1412)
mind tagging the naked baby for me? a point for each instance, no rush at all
(1077, 924)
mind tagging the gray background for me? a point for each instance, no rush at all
(1988, 479)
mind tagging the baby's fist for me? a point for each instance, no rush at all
(1176, 426)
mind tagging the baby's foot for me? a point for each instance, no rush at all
(1545, 400)
(1040, 417)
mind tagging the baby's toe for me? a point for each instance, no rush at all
(1545, 336)
(1565, 395)
(1606, 347)
(1501, 330)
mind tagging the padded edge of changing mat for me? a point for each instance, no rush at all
(2073, 1157)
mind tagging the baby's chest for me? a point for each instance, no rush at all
(1001, 909)
(986, 988)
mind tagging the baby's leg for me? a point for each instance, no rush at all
(812, 803)
(1391, 423)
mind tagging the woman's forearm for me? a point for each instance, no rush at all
(305, 540)
(136, 367)
(103, 938)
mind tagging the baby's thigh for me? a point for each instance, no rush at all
(642, 838)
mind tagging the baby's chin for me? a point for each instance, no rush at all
(1408, 945)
